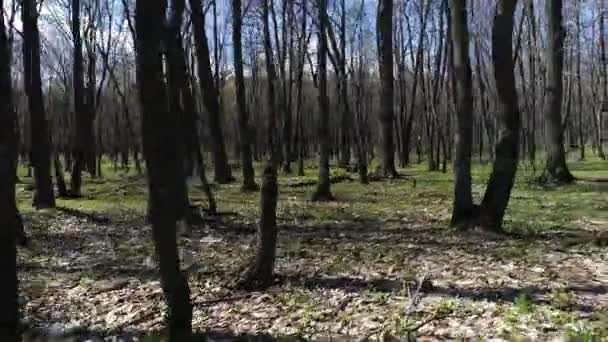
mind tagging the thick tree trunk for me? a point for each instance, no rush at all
(504, 168)
(44, 196)
(166, 181)
(323, 191)
(246, 160)
(178, 88)
(556, 171)
(79, 105)
(463, 198)
(385, 54)
(222, 171)
(9, 216)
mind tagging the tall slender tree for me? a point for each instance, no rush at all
(208, 85)
(556, 170)
(178, 89)
(166, 179)
(323, 191)
(79, 104)
(385, 53)
(259, 273)
(463, 198)
(9, 216)
(245, 143)
(44, 196)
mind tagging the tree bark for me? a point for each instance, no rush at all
(556, 170)
(44, 196)
(164, 166)
(79, 105)
(604, 75)
(9, 216)
(178, 90)
(222, 171)
(504, 168)
(463, 198)
(259, 274)
(323, 191)
(243, 117)
(385, 54)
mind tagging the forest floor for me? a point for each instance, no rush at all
(344, 268)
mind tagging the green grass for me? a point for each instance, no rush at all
(383, 235)
(532, 208)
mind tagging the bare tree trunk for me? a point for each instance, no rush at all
(532, 62)
(579, 85)
(208, 86)
(463, 198)
(44, 196)
(302, 46)
(62, 190)
(9, 215)
(259, 274)
(178, 89)
(166, 181)
(556, 171)
(604, 73)
(385, 54)
(248, 172)
(504, 168)
(79, 106)
(323, 191)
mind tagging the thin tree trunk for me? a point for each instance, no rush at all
(208, 86)
(579, 85)
(79, 106)
(246, 161)
(604, 73)
(259, 274)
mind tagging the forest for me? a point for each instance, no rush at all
(227, 170)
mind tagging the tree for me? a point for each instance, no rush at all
(323, 191)
(44, 196)
(490, 213)
(604, 76)
(504, 168)
(260, 272)
(166, 179)
(80, 110)
(9, 216)
(463, 198)
(556, 170)
(210, 94)
(385, 56)
(245, 144)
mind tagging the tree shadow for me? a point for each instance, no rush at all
(498, 295)
(34, 334)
